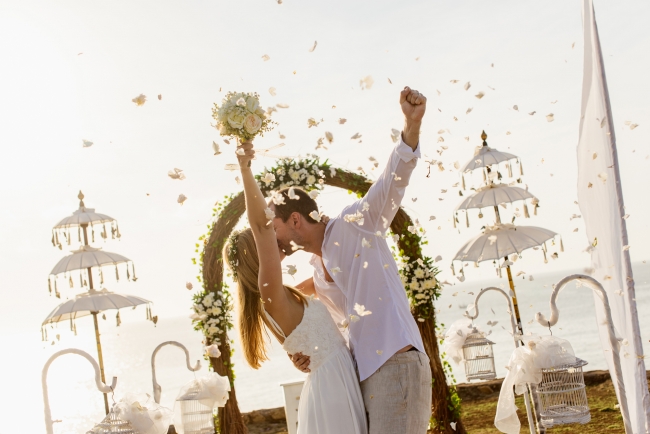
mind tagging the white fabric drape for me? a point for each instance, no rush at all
(601, 203)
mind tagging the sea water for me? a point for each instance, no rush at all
(127, 353)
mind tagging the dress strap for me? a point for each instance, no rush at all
(275, 325)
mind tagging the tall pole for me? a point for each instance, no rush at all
(100, 357)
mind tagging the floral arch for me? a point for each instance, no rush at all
(212, 306)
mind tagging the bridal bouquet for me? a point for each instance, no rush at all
(240, 115)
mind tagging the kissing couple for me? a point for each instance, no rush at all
(381, 384)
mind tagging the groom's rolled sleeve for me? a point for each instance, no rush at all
(385, 196)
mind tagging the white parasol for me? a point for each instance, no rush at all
(501, 240)
(494, 195)
(81, 219)
(92, 301)
(485, 157)
(87, 257)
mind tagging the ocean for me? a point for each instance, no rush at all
(128, 348)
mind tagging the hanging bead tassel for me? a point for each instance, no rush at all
(71, 284)
(49, 285)
(68, 237)
(71, 325)
(101, 276)
(81, 280)
(453, 271)
(561, 245)
(117, 274)
(484, 175)
(509, 169)
(535, 209)
(128, 275)
(56, 290)
(467, 218)
(53, 243)
(526, 214)
(43, 334)
(521, 168)
(545, 259)
(462, 177)
(133, 269)
(500, 274)
(455, 220)
(92, 232)
(75, 328)
(117, 230)
(117, 317)
(79, 233)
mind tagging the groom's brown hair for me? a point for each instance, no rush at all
(303, 206)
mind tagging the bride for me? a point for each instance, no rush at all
(331, 400)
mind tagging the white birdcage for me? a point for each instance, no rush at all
(195, 413)
(112, 424)
(478, 356)
(562, 395)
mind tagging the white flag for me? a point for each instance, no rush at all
(601, 202)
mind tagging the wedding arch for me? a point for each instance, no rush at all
(212, 306)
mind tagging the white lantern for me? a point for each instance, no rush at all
(479, 357)
(112, 424)
(562, 395)
(195, 413)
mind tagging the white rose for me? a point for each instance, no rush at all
(252, 104)
(311, 179)
(295, 176)
(236, 119)
(252, 123)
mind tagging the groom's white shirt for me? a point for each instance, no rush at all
(368, 275)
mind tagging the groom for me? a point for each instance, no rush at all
(354, 269)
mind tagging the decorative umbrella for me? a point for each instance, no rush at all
(81, 219)
(484, 157)
(92, 303)
(493, 195)
(86, 258)
(501, 240)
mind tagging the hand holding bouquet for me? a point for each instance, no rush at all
(240, 115)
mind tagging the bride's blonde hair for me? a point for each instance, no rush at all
(241, 254)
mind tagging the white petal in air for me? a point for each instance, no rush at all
(181, 198)
(361, 310)
(550, 117)
(467, 85)
(295, 246)
(311, 50)
(87, 143)
(292, 194)
(366, 82)
(139, 100)
(291, 270)
(215, 148)
(314, 194)
(315, 215)
(266, 57)
(272, 91)
(335, 271)
(365, 243)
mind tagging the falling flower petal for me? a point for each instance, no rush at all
(139, 100)
(189, 285)
(181, 198)
(549, 117)
(342, 121)
(361, 310)
(480, 95)
(469, 110)
(314, 214)
(335, 271)
(356, 136)
(215, 148)
(272, 91)
(603, 122)
(283, 106)
(603, 177)
(633, 126)
(265, 57)
(292, 194)
(329, 136)
(311, 50)
(467, 85)
(365, 243)
(270, 215)
(366, 82)
(295, 246)
(291, 270)
(380, 352)
(395, 135)
(515, 107)
(87, 143)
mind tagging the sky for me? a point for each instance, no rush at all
(71, 68)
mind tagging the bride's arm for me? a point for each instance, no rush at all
(270, 274)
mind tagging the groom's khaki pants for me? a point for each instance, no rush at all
(398, 395)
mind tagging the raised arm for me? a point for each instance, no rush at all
(270, 273)
(384, 198)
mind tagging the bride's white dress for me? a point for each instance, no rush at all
(331, 401)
